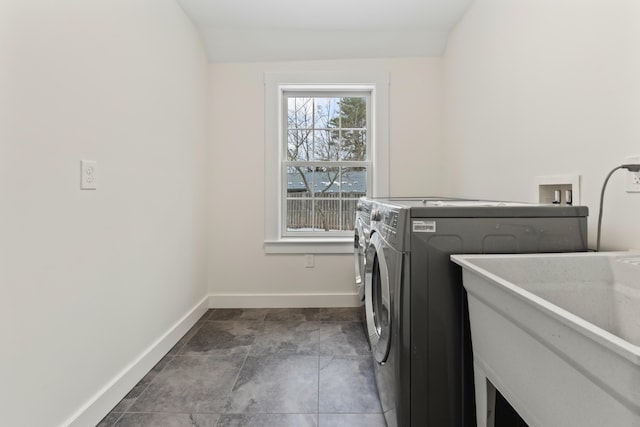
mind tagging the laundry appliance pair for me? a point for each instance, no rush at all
(416, 312)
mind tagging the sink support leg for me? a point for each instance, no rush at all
(485, 398)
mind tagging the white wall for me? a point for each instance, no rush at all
(546, 87)
(237, 262)
(89, 280)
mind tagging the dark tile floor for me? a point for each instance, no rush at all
(260, 367)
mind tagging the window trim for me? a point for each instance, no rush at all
(275, 85)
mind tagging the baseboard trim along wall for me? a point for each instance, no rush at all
(283, 300)
(108, 397)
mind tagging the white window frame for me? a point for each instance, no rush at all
(377, 83)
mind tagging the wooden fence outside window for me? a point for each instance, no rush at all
(325, 211)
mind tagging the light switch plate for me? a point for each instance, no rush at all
(88, 175)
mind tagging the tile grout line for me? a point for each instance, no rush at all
(152, 381)
(235, 381)
(135, 399)
(170, 358)
(118, 419)
(260, 322)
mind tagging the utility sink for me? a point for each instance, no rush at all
(558, 335)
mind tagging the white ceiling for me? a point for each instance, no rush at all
(280, 30)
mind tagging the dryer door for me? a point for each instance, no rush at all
(377, 299)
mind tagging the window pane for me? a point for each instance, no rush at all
(326, 112)
(327, 214)
(299, 144)
(354, 182)
(326, 129)
(354, 145)
(353, 112)
(349, 213)
(299, 113)
(322, 145)
(299, 215)
(326, 180)
(337, 147)
(299, 182)
(331, 205)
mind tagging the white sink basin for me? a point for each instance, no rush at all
(558, 335)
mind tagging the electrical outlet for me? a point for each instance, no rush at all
(309, 261)
(633, 182)
(88, 175)
(633, 178)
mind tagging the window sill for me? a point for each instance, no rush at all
(341, 245)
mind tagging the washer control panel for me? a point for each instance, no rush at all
(385, 220)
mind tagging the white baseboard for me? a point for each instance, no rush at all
(108, 397)
(283, 300)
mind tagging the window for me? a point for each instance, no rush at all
(326, 161)
(326, 145)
